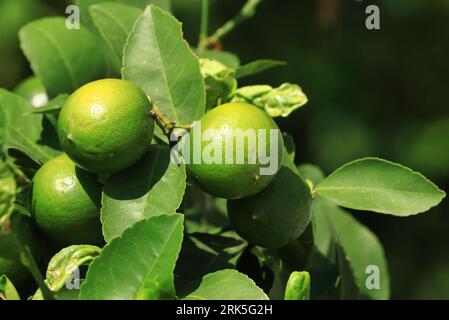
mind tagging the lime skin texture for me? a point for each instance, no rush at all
(23, 228)
(277, 215)
(65, 203)
(232, 180)
(105, 127)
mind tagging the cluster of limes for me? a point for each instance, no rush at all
(106, 126)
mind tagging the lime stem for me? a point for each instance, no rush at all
(165, 123)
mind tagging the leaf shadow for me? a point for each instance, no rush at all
(49, 134)
(139, 179)
(202, 254)
(90, 185)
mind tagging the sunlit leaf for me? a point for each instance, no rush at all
(381, 186)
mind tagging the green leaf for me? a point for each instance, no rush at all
(381, 186)
(205, 253)
(219, 81)
(311, 172)
(153, 186)
(63, 264)
(7, 192)
(32, 90)
(64, 59)
(159, 60)
(3, 125)
(203, 212)
(354, 247)
(84, 5)
(138, 265)
(24, 129)
(229, 59)
(226, 285)
(290, 147)
(7, 289)
(298, 286)
(257, 66)
(277, 102)
(53, 105)
(362, 249)
(322, 228)
(114, 22)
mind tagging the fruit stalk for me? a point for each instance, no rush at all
(165, 123)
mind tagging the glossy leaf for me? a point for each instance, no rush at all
(138, 265)
(84, 5)
(311, 172)
(352, 245)
(298, 286)
(362, 250)
(226, 285)
(7, 289)
(64, 59)
(159, 60)
(23, 130)
(114, 22)
(381, 186)
(257, 66)
(141, 192)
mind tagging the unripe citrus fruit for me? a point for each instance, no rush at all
(65, 202)
(32, 89)
(104, 126)
(232, 144)
(21, 228)
(277, 215)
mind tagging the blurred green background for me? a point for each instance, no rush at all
(372, 93)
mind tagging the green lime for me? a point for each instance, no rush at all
(235, 151)
(65, 203)
(32, 89)
(105, 126)
(21, 228)
(277, 215)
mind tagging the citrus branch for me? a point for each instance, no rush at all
(204, 24)
(247, 11)
(165, 123)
